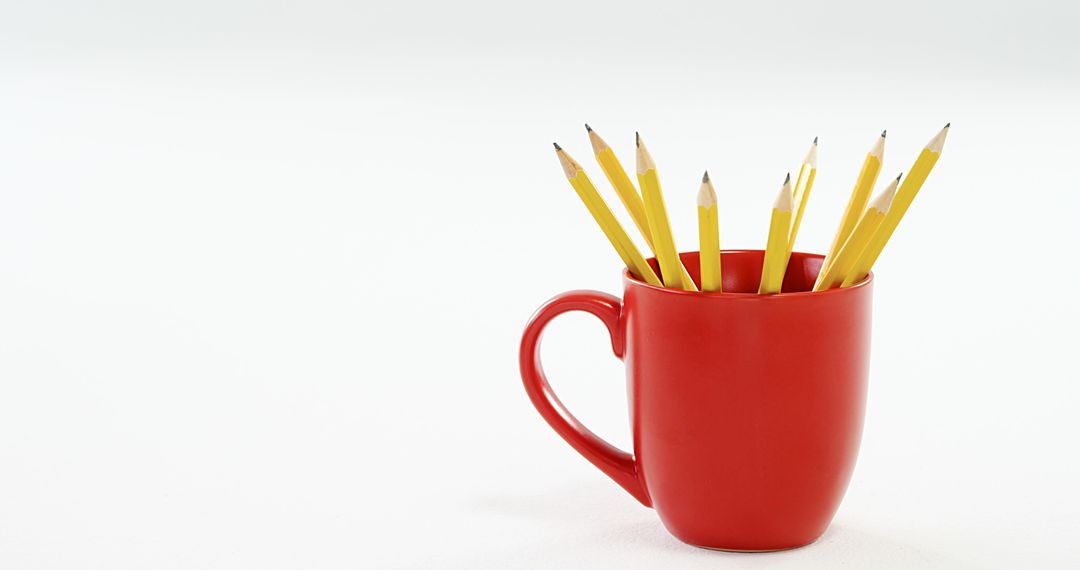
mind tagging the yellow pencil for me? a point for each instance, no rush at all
(606, 220)
(864, 184)
(864, 230)
(619, 180)
(914, 181)
(776, 248)
(708, 236)
(803, 184)
(671, 267)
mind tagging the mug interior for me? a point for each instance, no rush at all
(740, 270)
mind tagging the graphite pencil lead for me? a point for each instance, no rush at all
(588, 128)
(882, 134)
(637, 138)
(557, 147)
(706, 177)
(815, 141)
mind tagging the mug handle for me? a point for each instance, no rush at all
(617, 464)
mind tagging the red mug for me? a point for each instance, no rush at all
(746, 410)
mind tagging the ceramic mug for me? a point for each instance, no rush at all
(746, 410)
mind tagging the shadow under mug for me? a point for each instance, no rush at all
(746, 410)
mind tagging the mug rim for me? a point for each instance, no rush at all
(629, 280)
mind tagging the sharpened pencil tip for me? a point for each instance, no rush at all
(899, 175)
(947, 125)
(637, 138)
(787, 180)
(557, 147)
(588, 128)
(815, 141)
(705, 178)
(883, 134)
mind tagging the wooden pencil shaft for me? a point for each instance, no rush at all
(916, 176)
(849, 252)
(603, 216)
(623, 186)
(860, 195)
(777, 252)
(803, 185)
(672, 271)
(709, 248)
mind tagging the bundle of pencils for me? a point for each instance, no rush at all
(865, 226)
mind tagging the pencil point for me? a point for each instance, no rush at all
(938, 142)
(884, 200)
(643, 159)
(811, 156)
(785, 198)
(878, 150)
(706, 196)
(569, 165)
(637, 138)
(898, 176)
(557, 147)
(598, 144)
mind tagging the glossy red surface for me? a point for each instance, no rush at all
(746, 410)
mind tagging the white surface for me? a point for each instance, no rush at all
(263, 271)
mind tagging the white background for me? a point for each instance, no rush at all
(264, 268)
